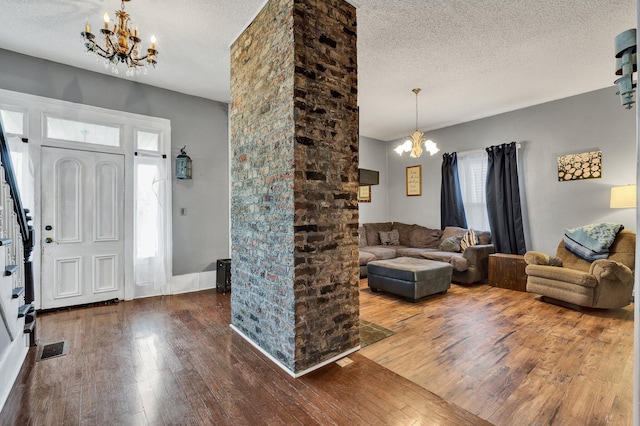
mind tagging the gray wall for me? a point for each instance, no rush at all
(373, 156)
(200, 237)
(593, 120)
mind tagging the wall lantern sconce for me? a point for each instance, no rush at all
(183, 165)
(626, 65)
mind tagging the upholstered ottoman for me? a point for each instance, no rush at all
(409, 277)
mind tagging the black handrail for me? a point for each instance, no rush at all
(26, 230)
(10, 176)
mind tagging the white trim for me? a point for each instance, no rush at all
(281, 365)
(11, 364)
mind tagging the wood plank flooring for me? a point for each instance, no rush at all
(174, 360)
(508, 357)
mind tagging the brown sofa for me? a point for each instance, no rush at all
(469, 266)
(605, 283)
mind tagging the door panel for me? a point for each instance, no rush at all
(68, 201)
(106, 218)
(82, 220)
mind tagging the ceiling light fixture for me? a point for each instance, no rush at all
(414, 143)
(626, 65)
(121, 44)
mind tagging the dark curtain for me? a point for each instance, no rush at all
(503, 200)
(451, 207)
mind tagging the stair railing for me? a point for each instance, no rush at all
(17, 231)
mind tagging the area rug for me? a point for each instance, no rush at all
(371, 333)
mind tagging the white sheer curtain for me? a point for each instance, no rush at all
(152, 246)
(472, 172)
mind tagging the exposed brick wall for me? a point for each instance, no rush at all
(294, 217)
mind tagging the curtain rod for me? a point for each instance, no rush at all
(476, 151)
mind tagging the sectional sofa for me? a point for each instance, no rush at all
(402, 240)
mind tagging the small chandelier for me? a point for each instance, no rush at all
(121, 44)
(414, 143)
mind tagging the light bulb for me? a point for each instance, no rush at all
(407, 145)
(399, 149)
(431, 146)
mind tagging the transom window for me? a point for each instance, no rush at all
(13, 121)
(80, 131)
(147, 141)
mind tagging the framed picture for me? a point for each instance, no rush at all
(364, 194)
(414, 181)
(585, 165)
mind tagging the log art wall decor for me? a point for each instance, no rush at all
(585, 165)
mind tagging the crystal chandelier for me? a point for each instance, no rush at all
(121, 44)
(414, 143)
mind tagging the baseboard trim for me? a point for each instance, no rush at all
(282, 366)
(194, 290)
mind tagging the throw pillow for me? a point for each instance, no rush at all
(451, 244)
(391, 238)
(469, 239)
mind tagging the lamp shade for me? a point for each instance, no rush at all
(623, 197)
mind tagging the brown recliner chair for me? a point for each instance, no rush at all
(605, 283)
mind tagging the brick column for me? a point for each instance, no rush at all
(294, 212)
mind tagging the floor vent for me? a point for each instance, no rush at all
(52, 350)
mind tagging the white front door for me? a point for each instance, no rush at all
(82, 227)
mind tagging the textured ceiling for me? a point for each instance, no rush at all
(472, 58)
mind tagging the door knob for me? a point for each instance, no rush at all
(49, 240)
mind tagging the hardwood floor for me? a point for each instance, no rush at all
(174, 360)
(508, 357)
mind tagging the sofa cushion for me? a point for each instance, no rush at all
(422, 237)
(373, 231)
(451, 244)
(456, 260)
(365, 257)
(484, 237)
(363, 236)
(453, 231)
(563, 275)
(404, 232)
(380, 252)
(390, 238)
(412, 251)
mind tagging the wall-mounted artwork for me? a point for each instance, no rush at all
(414, 181)
(586, 165)
(364, 194)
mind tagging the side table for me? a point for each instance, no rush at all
(507, 271)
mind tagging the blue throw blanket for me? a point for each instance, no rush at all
(591, 242)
